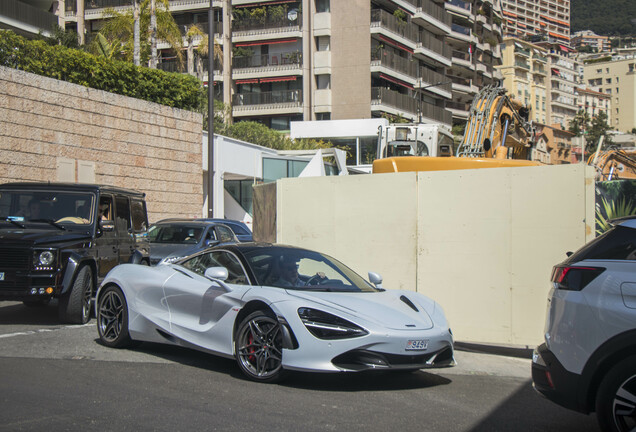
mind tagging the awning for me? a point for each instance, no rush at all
(510, 14)
(277, 79)
(247, 81)
(269, 42)
(518, 45)
(521, 24)
(396, 81)
(556, 72)
(395, 44)
(564, 48)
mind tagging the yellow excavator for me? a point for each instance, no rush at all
(498, 134)
(613, 164)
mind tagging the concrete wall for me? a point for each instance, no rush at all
(480, 242)
(51, 130)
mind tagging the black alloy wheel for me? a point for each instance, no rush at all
(616, 398)
(259, 347)
(112, 318)
(75, 305)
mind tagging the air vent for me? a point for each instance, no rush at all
(406, 300)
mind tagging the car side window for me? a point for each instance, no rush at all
(225, 234)
(619, 243)
(139, 221)
(122, 221)
(200, 263)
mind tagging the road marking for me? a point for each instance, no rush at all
(32, 332)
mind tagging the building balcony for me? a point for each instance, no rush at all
(392, 64)
(26, 19)
(463, 59)
(458, 110)
(385, 24)
(564, 104)
(522, 65)
(385, 100)
(434, 82)
(289, 63)
(322, 100)
(267, 103)
(322, 24)
(433, 49)
(461, 33)
(463, 85)
(322, 62)
(250, 29)
(433, 18)
(459, 7)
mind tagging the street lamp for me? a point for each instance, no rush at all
(419, 92)
(211, 111)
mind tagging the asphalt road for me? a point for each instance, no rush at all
(55, 377)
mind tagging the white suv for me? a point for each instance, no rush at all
(588, 360)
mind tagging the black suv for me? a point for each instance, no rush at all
(59, 240)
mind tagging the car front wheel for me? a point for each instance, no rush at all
(75, 305)
(112, 318)
(259, 347)
(616, 398)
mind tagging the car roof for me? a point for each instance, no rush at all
(221, 220)
(189, 222)
(252, 246)
(58, 186)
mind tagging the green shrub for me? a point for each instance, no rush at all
(79, 67)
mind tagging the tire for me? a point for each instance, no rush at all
(259, 347)
(616, 398)
(36, 303)
(112, 318)
(75, 305)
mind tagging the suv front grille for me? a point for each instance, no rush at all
(15, 259)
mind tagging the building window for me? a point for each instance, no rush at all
(323, 116)
(323, 82)
(323, 43)
(322, 6)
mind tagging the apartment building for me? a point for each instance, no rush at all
(593, 102)
(547, 18)
(591, 39)
(28, 18)
(618, 80)
(293, 60)
(525, 76)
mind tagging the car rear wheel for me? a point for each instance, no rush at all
(75, 305)
(112, 318)
(259, 347)
(616, 398)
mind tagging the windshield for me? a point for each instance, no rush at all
(407, 148)
(303, 270)
(175, 233)
(74, 208)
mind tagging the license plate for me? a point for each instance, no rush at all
(417, 345)
(1, 276)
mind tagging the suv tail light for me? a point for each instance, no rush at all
(574, 278)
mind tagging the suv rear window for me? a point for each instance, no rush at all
(619, 243)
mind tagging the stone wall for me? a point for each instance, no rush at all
(52, 130)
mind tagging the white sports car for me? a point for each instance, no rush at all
(273, 308)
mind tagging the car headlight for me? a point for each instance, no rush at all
(324, 325)
(44, 260)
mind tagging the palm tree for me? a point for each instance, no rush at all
(194, 32)
(131, 31)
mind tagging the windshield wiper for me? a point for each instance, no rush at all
(14, 222)
(50, 222)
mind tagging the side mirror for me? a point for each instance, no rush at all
(218, 273)
(375, 279)
(210, 243)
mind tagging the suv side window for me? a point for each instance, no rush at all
(139, 221)
(225, 234)
(122, 222)
(619, 243)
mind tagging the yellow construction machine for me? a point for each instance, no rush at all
(498, 134)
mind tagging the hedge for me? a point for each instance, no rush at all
(75, 66)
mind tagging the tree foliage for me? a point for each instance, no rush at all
(608, 17)
(79, 67)
(591, 128)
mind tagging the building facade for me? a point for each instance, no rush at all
(301, 60)
(525, 76)
(28, 17)
(618, 80)
(549, 19)
(593, 103)
(591, 39)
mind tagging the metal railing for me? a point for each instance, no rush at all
(460, 29)
(249, 23)
(290, 58)
(438, 12)
(460, 81)
(393, 61)
(409, 104)
(28, 14)
(429, 77)
(387, 21)
(428, 41)
(461, 55)
(172, 65)
(268, 98)
(460, 4)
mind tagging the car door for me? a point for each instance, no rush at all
(202, 311)
(123, 226)
(106, 240)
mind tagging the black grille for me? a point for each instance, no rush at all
(364, 359)
(15, 259)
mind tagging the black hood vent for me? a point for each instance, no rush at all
(406, 300)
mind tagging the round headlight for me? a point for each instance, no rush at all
(46, 258)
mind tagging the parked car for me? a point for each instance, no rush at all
(59, 240)
(588, 360)
(274, 308)
(173, 239)
(243, 233)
